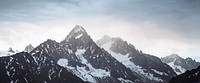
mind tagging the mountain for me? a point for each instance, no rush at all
(28, 48)
(179, 64)
(33, 68)
(79, 54)
(9, 52)
(190, 76)
(147, 66)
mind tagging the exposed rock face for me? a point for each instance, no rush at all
(179, 64)
(28, 48)
(86, 60)
(33, 68)
(11, 50)
(191, 76)
(147, 66)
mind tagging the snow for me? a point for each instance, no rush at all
(5, 53)
(196, 73)
(59, 73)
(78, 29)
(62, 62)
(158, 72)
(107, 46)
(70, 51)
(174, 67)
(35, 59)
(92, 71)
(82, 72)
(26, 80)
(50, 73)
(79, 36)
(124, 80)
(8, 73)
(125, 60)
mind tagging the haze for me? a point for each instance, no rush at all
(157, 27)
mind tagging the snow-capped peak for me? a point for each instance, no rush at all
(77, 32)
(103, 40)
(78, 28)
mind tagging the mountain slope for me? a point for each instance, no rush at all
(191, 76)
(33, 68)
(179, 64)
(79, 54)
(145, 65)
(9, 52)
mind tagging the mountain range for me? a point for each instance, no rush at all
(179, 64)
(145, 65)
(78, 59)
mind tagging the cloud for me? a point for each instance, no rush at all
(168, 26)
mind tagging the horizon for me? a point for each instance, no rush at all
(159, 28)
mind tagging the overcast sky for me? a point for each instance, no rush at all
(157, 27)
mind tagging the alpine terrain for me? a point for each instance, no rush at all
(147, 66)
(79, 54)
(37, 67)
(8, 52)
(78, 59)
(179, 64)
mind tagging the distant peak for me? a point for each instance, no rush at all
(30, 45)
(28, 48)
(106, 37)
(11, 50)
(175, 55)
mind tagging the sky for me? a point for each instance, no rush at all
(157, 27)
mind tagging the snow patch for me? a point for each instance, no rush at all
(79, 36)
(158, 72)
(6, 53)
(124, 80)
(86, 73)
(93, 71)
(174, 67)
(78, 29)
(107, 46)
(125, 60)
(63, 62)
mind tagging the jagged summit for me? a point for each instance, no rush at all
(171, 58)
(28, 48)
(11, 50)
(78, 28)
(175, 55)
(106, 37)
(77, 32)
